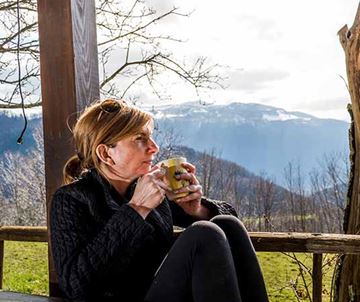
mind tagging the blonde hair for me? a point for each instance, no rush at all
(104, 122)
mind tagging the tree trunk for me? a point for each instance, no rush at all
(347, 280)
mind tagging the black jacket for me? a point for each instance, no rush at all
(102, 248)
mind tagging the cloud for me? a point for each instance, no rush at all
(161, 5)
(252, 80)
(261, 28)
(332, 107)
(337, 103)
(164, 6)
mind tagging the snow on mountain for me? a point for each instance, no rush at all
(255, 136)
(237, 113)
(258, 137)
(31, 113)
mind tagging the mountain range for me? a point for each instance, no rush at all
(11, 126)
(258, 137)
(255, 137)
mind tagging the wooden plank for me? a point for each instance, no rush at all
(85, 51)
(17, 233)
(69, 81)
(19, 297)
(269, 242)
(1, 262)
(306, 242)
(58, 95)
(317, 277)
(69, 76)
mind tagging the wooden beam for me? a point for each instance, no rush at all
(306, 242)
(263, 241)
(19, 233)
(69, 81)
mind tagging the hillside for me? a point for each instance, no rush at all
(257, 137)
(238, 129)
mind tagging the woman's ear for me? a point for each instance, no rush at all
(102, 152)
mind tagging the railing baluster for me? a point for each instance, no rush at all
(317, 277)
(1, 262)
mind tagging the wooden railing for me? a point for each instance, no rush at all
(317, 244)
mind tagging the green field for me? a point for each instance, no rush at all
(25, 267)
(283, 280)
(25, 270)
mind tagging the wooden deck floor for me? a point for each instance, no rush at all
(18, 297)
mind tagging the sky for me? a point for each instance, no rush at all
(282, 53)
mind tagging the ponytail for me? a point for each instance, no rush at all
(72, 169)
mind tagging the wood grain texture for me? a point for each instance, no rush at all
(1, 262)
(69, 81)
(57, 86)
(306, 242)
(317, 277)
(347, 281)
(18, 233)
(58, 96)
(262, 241)
(85, 51)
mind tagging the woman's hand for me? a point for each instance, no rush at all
(191, 203)
(149, 191)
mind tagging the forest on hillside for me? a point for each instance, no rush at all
(306, 203)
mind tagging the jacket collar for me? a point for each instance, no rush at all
(113, 199)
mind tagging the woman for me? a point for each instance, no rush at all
(112, 223)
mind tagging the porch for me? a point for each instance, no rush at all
(316, 244)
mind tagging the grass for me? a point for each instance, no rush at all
(26, 267)
(282, 278)
(25, 270)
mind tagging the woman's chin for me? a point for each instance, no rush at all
(145, 170)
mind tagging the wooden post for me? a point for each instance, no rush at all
(69, 81)
(347, 278)
(317, 277)
(1, 262)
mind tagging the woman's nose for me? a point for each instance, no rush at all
(153, 147)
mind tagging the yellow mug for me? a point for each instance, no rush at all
(172, 168)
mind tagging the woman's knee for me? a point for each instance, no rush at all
(234, 230)
(228, 221)
(206, 231)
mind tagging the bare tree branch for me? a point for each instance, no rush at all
(142, 27)
(122, 26)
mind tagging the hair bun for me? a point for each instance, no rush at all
(72, 169)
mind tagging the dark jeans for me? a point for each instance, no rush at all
(210, 261)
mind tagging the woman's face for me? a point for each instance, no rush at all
(133, 156)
